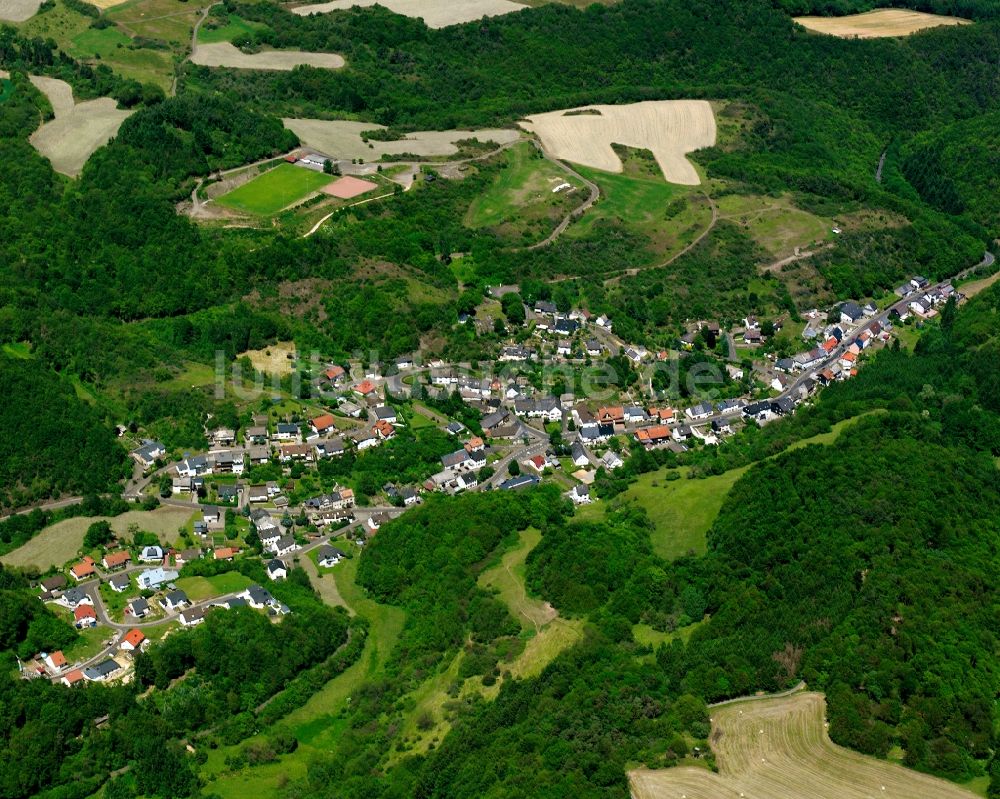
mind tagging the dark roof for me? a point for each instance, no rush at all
(522, 481)
(275, 565)
(852, 309)
(176, 597)
(102, 669)
(54, 582)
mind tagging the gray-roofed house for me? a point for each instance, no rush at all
(329, 556)
(102, 671)
(120, 583)
(258, 597)
(277, 570)
(138, 607)
(175, 599)
(850, 312)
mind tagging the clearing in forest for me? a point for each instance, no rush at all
(877, 24)
(61, 542)
(435, 13)
(77, 130)
(276, 359)
(226, 54)
(778, 748)
(668, 128)
(342, 139)
(275, 190)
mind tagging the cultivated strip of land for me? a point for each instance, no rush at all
(777, 748)
(226, 54)
(435, 13)
(877, 24)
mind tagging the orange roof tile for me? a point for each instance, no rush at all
(324, 422)
(134, 638)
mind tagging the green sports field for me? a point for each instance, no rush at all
(275, 189)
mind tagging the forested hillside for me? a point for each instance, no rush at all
(53, 442)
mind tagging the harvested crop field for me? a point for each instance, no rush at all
(348, 187)
(778, 748)
(18, 10)
(668, 128)
(77, 130)
(883, 22)
(435, 13)
(342, 139)
(226, 54)
(60, 542)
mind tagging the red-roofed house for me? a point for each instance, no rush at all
(83, 569)
(365, 388)
(85, 616)
(663, 415)
(322, 424)
(537, 462)
(651, 436)
(475, 444)
(225, 553)
(72, 677)
(133, 640)
(383, 429)
(830, 345)
(55, 660)
(614, 414)
(116, 560)
(334, 373)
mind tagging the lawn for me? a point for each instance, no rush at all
(644, 634)
(274, 190)
(418, 421)
(199, 589)
(6, 88)
(507, 578)
(774, 222)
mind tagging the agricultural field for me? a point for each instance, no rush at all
(18, 10)
(775, 223)
(225, 54)
(61, 542)
(521, 202)
(435, 13)
(880, 23)
(275, 190)
(773, 748)
(668, 128)
(77, 130)
(342, 139)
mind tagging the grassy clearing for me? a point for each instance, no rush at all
(764, 746)
(644, 634)
(682, 511)
(235, 28)
(520, 201)
(775, 223)
(274, 190)
(507, 579)
(199, 589)
(21, 350)
(61, 542)
(277, 359)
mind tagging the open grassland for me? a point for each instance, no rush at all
(233, 28)
(642, 203)
(60, 542)
(225, 54)
(77, 130)
(342, 139)
(878, 24)
(549, 633)
(199, 589)
(274, 190)
(778, 748)
(277, 359)
(775, 223)
(682, 511)
(18, 10)
(668, 128)
(435, 13)
(644, 634)
(520, 201)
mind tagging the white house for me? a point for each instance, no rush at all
(329, 556)
(284, 545)
(151, 554)
(153, 578)
(277, 570)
